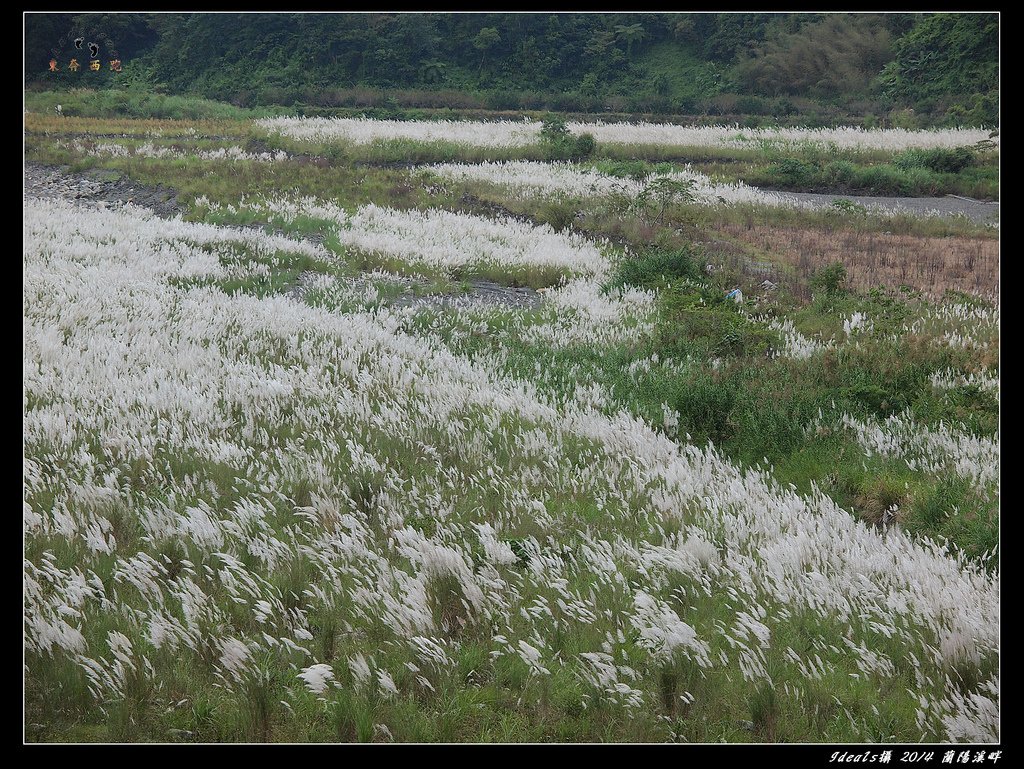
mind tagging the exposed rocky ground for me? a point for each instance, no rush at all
(43, 181)
(479, 293)
(473, 293)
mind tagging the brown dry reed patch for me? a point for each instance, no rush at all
(930, 265)
(36, 122)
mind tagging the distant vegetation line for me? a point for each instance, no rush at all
(903, 70)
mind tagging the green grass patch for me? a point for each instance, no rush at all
(130, 103)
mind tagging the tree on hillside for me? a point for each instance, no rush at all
(946, 53)
(726, 35)
(840, 54)
(43, 35)
(684, 30)
(433, 71)
(630, 35)
(599, 43)
(485, 40)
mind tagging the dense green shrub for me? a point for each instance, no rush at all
(793, 171)
(560, 144)
(704, 405)
(830, 280)
(943, 160)
(652, 265)
(883, 179)
(840, 171)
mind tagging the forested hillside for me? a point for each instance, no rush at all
(896, 69)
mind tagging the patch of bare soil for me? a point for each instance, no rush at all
(877, 259)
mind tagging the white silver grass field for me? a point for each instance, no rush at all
(506, 133)
(254, 434)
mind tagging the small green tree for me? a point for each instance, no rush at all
(560, 144)
(630, 34)
(554, 129)
(433, 71)
(684, 31)
(660, 192)
(830, 280)
(485, 40)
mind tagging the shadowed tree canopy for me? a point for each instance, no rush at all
(673, 60)
(839, 53)
(946, 53)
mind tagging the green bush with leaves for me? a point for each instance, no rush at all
(942, 160)
(661, 192)
(560, 144)
(840, 171)
(849, 208)
(830, 280)
(793, 171)
(655, 265)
